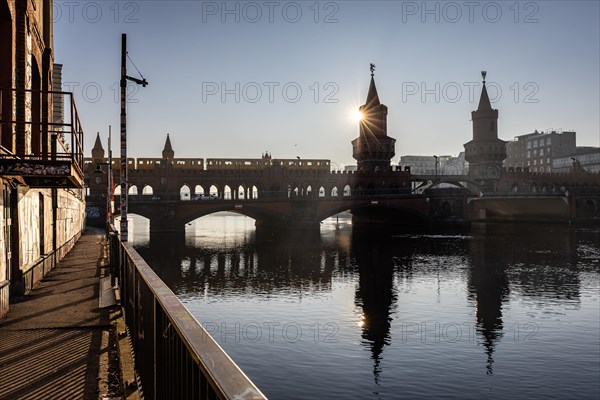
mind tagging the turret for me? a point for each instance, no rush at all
(485, 152)
(168, 153)
(98, 150)
(373, 149)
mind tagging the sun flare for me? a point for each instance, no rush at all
(357, 116)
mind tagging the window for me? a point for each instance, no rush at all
(541, 142)
(535, 143)
(541, 152)
(548, 141)
(528, 145)
(535, 152)
(548, 160)
(528, 154)
(534, 162)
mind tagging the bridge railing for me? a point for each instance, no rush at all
(175, 357)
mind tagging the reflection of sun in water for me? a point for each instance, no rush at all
(357, 116)
(362, 321)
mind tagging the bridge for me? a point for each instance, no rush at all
(300, 193)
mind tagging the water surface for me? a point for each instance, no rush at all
(499, 311)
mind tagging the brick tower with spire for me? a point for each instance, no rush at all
(98, 150)
(485, 152)
(168, 153)
(373, 149)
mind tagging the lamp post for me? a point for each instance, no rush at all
(436, 167)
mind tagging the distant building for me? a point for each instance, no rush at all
(586, 158)
(538, 150)
(426, 165)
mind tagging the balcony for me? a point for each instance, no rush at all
(40, 149)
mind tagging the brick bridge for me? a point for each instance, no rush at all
(301, 193)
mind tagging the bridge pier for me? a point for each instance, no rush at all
(287, 225)
(167, 225)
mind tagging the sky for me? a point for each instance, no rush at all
(238, 78)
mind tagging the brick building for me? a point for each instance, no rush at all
(41, 158)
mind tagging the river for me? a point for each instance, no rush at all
(496, 311)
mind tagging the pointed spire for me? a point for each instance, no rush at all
(168, 152)
(372, 96)
(484, 100)
(98, 150)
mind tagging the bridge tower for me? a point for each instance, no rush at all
(373, 149)
(168, 153)
(98, 150)
(485, 152)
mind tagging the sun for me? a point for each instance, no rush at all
(357, 116)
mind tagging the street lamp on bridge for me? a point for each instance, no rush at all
(436, 167)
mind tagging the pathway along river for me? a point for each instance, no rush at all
(503, 311)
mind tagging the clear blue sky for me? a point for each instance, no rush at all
(233, 79)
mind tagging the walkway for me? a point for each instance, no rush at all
(54, 342)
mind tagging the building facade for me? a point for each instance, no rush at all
(537, 151)
(41, 158)
(585, 159)
(429, 165)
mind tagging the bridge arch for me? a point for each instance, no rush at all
(241, 192)
(227, 193)
(185, 192)
(147, 190)
(410, 212)
(215, 190)
(257, 212)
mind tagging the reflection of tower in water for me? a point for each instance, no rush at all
(488, 287)
(375, 294)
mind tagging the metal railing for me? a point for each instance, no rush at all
(175, 357)
(65, 133)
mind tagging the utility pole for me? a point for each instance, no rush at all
(109, 189)
(123, 84)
